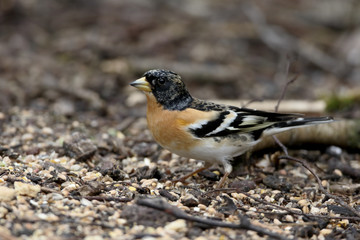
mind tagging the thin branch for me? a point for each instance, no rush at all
(286, 74)
(284, 90)
(176, 212)
(282, 146)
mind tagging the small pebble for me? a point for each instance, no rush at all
(62, 177)
(173, 163)
(196, 209)
(51, 168)
(344, 223)
(91, 176)
(34, 203)
(114, 234)
(27, 189)
(289, 218)
(201, 238)
(148, 182)
(121, 221)
(314, 210)
(185, 208)
(325, 231)
(168, 183)
(86, 202)
(75, 168)
(70, 187)
(113, 192)
(305, 209)
(269, 199)
(27, 137)
(29, 158)
(3, 212)
(7, 194)
(277, 221)
(102, 207)
(211, 211)
(47, 131)
(289, 205)
(338, 172)
(202, 206)
(177, 225)
(57, 196)
(303, 202)
(94, 237)
(334, 150)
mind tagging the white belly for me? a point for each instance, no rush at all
(213, 151)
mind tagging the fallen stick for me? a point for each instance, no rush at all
(176, 212)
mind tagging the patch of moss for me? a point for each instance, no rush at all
(336, 102)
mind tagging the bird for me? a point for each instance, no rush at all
(204, 130)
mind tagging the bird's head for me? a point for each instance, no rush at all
(167, 88)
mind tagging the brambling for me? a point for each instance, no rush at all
(202, 130)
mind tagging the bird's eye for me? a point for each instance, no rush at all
(161, 81)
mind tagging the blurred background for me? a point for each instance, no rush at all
(74, 56)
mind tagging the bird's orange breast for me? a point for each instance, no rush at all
(169, 128)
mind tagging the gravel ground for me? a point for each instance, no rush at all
(68, 179)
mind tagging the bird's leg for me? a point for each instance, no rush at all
(222, 180)
(182, 179)
(228, 169)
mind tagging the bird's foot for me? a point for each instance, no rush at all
(222, 181)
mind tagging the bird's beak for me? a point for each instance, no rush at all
(141, 84)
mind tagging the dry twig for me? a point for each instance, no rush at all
(244, 224)
(283, 92)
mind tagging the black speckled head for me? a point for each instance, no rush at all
(168, 89)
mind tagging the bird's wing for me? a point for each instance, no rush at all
(227, 120)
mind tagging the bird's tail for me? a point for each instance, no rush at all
(295, 123)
